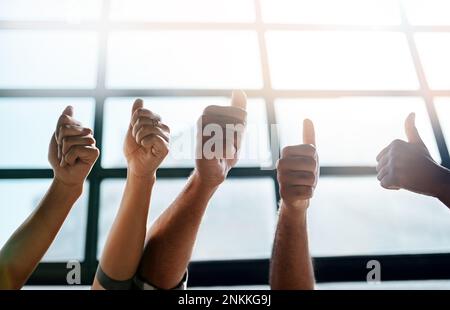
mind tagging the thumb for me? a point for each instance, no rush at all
(239, 99)
(68, 111)
(309, 135)
(138, 103)
(411, 131)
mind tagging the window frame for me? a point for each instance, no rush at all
(235, 272)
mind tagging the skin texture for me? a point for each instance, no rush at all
(409, 165)
(145, 147)
(72, 153)
(297, 173)
(172, 237)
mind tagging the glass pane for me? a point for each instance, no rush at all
(187, 59)
(183, 11)
(255, 146)
(427, 12)
(340, 60)
(18, 199)
(49, 10)
(443, 111)
(352, 131)
(47, 59)
(356, 216)
(348, 12)
(434, 49)
(234, 227)
(34, 120)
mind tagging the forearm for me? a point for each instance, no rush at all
(26, 247)
(291, 266)
(172, 237)
(125, 243)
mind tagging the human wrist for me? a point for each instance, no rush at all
(149, 178)
(294, 212)
(205, 183)
(73, 190)
(299, 205)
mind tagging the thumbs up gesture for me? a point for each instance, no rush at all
(72, 151)
(298, 169)
(147, 141)
(409, 165)
(219, 135)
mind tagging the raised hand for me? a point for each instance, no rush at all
(72, 151)
(298, 169)
(409, 165)
(219, 135)
(147, 141)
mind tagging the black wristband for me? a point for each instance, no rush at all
(111, 284)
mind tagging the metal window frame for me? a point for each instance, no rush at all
(235, 272)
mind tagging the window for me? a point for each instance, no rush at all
(352, 131)
(255, 145)
(234, 227)
(19, 202)
(169, 59)
(47, 59)
(355, 67)
(374, 221)
(33, 121)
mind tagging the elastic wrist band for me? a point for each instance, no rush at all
(111, 284)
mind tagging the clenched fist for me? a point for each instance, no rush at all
(298, 169)
(147, 141)
(219, 135)
(409, 165)
(72, 151)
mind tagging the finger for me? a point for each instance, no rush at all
(299, 150)
(87, 154)
(239, 99)
(382, 172)
(411, 131)
(389, 182)
(145, 121)
(147, 130)
(309, 135)
(221, 120)
(68, 142)
(239, 115)
(144, 113)
(66, 118)
(138, 104)
(383, 152)
(297, 178)
(302, 191)
(72, 130)
(68, 111)
(158, 145)
(297, 163)
(384, 161)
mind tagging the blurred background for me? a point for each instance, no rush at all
(355, 67)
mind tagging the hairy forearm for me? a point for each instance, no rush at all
(172, 237)
(26, 247)
(291, 266)
(125, 243)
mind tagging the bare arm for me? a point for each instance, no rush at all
(297, 173)
(72, 153)
(172, 237)
(145, 147)
(291, 266)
